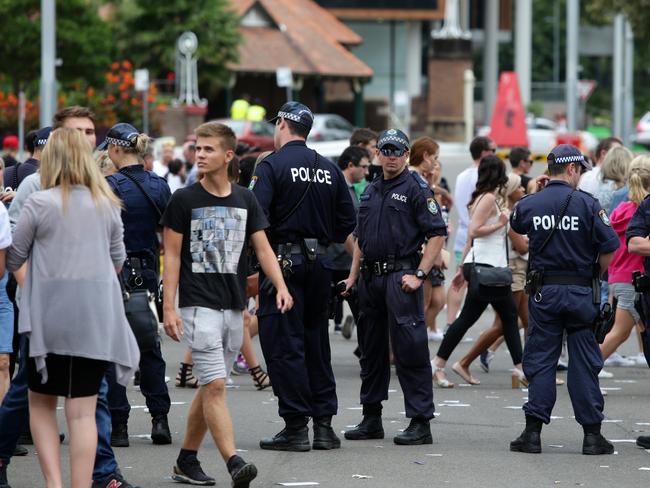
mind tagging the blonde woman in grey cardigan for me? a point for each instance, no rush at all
(71, 304)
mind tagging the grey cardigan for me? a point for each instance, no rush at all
(71, 301)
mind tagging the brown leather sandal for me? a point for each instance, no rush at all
(261, 379)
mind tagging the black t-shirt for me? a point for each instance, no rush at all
(215, 235)
(524, 182)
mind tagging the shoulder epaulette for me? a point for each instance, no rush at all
(419, 180)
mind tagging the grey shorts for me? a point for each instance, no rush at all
(214, 336)
(625, 294)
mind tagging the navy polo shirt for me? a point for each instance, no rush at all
(280, 180)
(396, 216)
(584, 231)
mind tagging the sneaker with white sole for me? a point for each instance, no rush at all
(639, 359)
(434, 336)
(188, 470)
(605, 375)
(616, 360)
(485, 360)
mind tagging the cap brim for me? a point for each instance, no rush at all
(587, 165)
(102, 146)
(272, 121)
(392, 143)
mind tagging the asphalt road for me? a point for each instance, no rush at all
(471, 431)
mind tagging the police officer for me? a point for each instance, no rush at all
(397, 213)
(307, 202)
(144, 196)
(638, 242)
(571, 243)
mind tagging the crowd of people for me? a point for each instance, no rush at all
(274, 244)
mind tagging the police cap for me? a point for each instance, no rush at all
(42, 135)
(566, 154)
(393, 137)
(295, 112)
(121, 134)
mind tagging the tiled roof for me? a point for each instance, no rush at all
(306, 38)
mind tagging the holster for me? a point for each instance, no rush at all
(641, 281)
(595, 285)
(605, 321)
(533, 283)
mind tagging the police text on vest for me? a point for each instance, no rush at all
(320, 175)
(547, 222)
(397, 196)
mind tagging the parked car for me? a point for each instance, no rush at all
(256, 134)
(330, 127)
(543, 135)
(643, 130)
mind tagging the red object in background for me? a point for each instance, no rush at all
(570, 138)
(508, 125)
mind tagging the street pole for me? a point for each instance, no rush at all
(468, 104)
(573, 26)
(523, 47)
(628, 100)
(48, 59)
(618, 75)
(145, 111)
(491, 58)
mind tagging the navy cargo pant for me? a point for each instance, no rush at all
(570, 308)
(384, 308)
(296, 344)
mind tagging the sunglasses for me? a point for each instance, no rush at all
(392, 152)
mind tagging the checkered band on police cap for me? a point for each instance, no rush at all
(393, 137)
(121, 142)
(565, 154)
(42, 135)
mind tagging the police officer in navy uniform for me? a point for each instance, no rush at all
(564, 296)
(144, 196)
(397, 213)
(638, 242)
(307, 202)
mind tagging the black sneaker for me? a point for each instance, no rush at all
(242, 477)
(115, 480)
(160, 433)
(20, 450)
(120, 436)
(3, 475)
(189, 471)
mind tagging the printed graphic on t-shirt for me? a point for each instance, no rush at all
(217, 239)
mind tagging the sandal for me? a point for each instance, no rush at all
(440, 382)
(261, 379)
(465, 374)
(185, 378)
(519, 379)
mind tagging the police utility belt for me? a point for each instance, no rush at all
(390, 264)
(310, 248)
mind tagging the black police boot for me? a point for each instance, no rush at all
(529, 441)
(369, 428)
(294, 437)
(594, 443)
(643, 441)
(418, 432)
(160, 433)
(120, 436)
(3, 475)
(324, 436)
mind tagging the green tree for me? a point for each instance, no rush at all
(147, 31)
(83, 42)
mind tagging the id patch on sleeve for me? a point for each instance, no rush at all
(603, 216)
(431, 206)
(251, 185)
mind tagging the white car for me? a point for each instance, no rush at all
(643, 130)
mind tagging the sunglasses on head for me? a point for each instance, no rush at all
(388, 152)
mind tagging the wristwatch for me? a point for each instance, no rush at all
(420, 275)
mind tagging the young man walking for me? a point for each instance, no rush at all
(207, 228)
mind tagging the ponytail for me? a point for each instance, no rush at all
(141, 145)
(639, 179)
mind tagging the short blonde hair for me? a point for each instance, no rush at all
(616, 165)
(639, 178)
(67, 160)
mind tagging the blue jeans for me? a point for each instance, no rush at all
(6, 318)
(14, 419)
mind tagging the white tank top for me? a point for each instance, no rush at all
(490, 249)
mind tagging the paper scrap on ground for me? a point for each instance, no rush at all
(392, 391)
(513, 407)
(612, 421)
(241, 450)
(644, 468)
(643, 423)
(418, 462)
(434, 455)
(623, 440)
(362, 476)
(455, 405)
(490, 397)
(553, 417)
(625, 381)
(355, 408)
(141, 436)
(179, 403)
(604, 466)
(451, 401)
(611, 388)
(558, 446)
